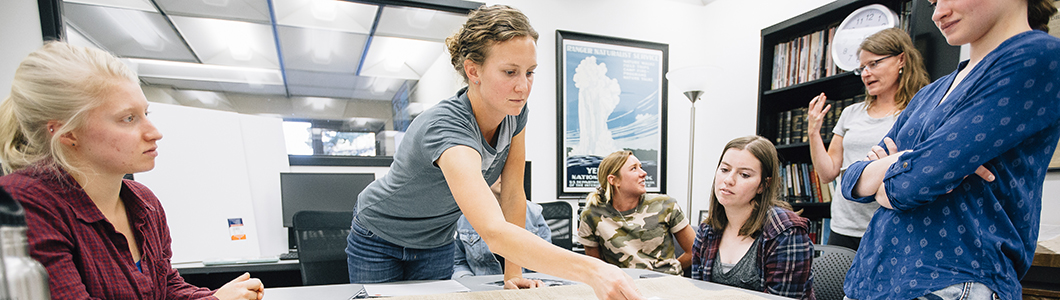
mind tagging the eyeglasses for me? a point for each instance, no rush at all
(871, 65)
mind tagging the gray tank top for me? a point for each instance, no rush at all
(744, 274)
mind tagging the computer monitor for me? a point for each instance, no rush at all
(320, 191)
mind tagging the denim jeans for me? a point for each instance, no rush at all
(371, 259)
(961, 291)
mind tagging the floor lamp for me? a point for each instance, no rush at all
(692, 82)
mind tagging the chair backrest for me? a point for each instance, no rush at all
(558, 215)
(830, 265)
(321, 237)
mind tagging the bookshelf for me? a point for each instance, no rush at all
(790, 76)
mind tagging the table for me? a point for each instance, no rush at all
(284, 273)
(474, 283)
(1041, 281)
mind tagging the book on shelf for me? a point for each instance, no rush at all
(793, 125)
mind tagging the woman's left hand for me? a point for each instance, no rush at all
(522, 283)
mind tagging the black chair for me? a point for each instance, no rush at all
(558, 215)
(830, 265)
(321, 237)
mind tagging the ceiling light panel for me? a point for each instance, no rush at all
(403, 58)
(243, 10)
(229, 43)
(127, 32)
(201, 72)
(418, 23)
(321, 50)
(326, 14)
(142, 5)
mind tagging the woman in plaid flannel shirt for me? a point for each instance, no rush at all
(750, 239)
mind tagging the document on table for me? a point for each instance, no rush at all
(669, 287)
(414, 289)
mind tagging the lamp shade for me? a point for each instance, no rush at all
(694, 78)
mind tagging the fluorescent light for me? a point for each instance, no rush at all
(400, 57)
(324, 10)
(201, 72)
(335, 15)
(232, 43)
(218, 3)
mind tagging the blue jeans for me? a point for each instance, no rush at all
(371, 259)
(961, 291)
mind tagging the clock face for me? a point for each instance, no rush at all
(859, 25)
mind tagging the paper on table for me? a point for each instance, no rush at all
(414, 289)
(668, 287)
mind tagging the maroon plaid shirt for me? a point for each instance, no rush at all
(85, 257)
(784, 257)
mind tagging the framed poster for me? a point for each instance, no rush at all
(611, 96)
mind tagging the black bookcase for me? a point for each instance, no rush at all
(940, 59)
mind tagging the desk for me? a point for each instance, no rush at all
(283, 273)
(474, 283)
(1041, 281)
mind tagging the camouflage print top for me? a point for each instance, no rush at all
(639, 238)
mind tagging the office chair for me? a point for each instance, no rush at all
(321, 237)
(830, 265)
(558, 215)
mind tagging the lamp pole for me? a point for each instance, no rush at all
(692, 96)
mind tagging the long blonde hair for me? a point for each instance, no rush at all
(58, 82)
(611, 165)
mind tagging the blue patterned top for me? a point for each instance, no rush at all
(1005, 115)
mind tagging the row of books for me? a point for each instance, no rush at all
(793, 127)
(807, 58)
(804, 59)
(801, 184)
(819, 231)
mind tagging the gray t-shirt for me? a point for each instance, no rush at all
(860, 132)
(412, 206)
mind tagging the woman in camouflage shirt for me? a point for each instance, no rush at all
(625, 226)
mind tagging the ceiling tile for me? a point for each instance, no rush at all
(144, 5)
(418, 23)
(127, 32)
(321, 50)
(229, 43)
(242, 10)
(400, 57)
(318, 107)
(326, 14)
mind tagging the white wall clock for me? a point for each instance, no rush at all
(859, 25)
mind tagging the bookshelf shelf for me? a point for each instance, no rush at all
(823, 81)
(783, 97)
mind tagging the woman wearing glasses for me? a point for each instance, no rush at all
(893, 71)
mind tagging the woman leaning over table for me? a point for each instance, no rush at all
(892, 71)
(941, 233)
(74, 125)
(751, 239)
(405, 221)
(627, 227)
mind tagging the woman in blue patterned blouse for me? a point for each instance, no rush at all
(943, 234)
(751, 239)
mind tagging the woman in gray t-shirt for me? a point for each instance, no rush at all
(892, 71)
(405, 221)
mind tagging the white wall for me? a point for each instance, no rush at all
(720, 34)
(20, 34)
